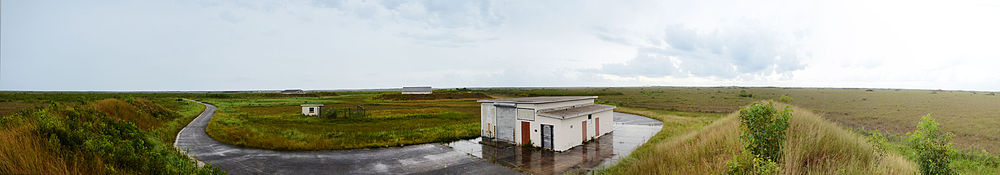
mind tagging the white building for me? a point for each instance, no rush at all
(417, 90)
(293, 91)
(311, 109)
(556, 123)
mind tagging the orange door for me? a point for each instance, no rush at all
(584, 130)
(597, 126)
(525, 132)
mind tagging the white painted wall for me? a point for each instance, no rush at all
(416, 92)
(488, 120)
(305, 110)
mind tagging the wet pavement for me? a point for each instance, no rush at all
(460, 157)
(630, 132)
(415, 159)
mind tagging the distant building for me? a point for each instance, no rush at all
(555, 123)
(293, 91)
(417, 90)
(311, 109)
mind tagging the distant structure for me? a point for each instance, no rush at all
(311, 109)
(417, 90)
(554, 123)
(293, 91)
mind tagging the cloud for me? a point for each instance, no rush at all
(728, 51)
(430, 22)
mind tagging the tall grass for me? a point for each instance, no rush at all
(110, 136)
(814, 146)
(818, 146)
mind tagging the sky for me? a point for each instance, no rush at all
(110, 45)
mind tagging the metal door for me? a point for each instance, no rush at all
(597, 126)
(505, 122)
(584, 130)
(525, 132)
(546, 136)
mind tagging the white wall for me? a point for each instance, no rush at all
(305, 111)
(416, 92)
(488, 120)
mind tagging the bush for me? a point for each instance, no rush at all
(750, 164)
(744, 93)
(932, 147)
(785, 99)
(764, 129)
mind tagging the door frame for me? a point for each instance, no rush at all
(549, 128)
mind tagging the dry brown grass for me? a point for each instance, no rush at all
(818, 146)
(22, 152)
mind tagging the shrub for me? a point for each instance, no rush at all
(932, 147)
(879, 141)
(744, 93)
(785, 99)
(747, 163)
(763, 136)
(764, 129)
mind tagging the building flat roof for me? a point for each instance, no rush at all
(417, 89)
(311, 105)
(575, 111)
(536, 100)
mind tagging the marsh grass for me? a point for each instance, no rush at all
(276, 123)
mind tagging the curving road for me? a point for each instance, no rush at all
(415, 159)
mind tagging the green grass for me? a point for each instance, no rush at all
(277, 123)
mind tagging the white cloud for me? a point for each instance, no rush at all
(320, 44)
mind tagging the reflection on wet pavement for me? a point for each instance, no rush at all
(630, 132)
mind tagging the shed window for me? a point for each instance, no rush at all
(312, 110)
(589, 116)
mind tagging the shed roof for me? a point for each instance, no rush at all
(311, 105)
(417, 89)
(575, 111)
(537, 100)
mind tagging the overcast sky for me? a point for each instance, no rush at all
(320, 44)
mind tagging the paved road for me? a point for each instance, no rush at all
(415, 159)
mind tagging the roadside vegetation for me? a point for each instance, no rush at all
(277, 123)
(74, 134)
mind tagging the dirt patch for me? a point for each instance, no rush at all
(437, 96)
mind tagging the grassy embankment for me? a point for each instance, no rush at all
(75, 134)
(277, 123)
(813, 146)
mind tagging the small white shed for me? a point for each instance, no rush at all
(311, 109)
(417, 90)
(556, 123)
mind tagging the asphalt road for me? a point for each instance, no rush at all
(416, 159)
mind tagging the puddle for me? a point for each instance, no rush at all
(630, 132)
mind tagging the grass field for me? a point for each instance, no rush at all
(277, 123)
